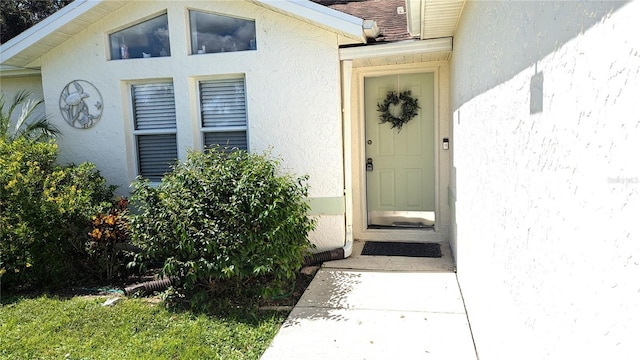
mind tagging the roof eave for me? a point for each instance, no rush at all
(437, 18)
(408, 47)
(348, 26)
(22, 50)
(7, 71)
(24, 41)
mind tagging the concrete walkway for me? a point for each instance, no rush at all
(371, 307)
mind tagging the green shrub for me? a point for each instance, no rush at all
(23, 169)
(45, 214)
(222, 220)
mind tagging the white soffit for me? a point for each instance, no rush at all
(411, 47)
(30, 45)
(440, 17)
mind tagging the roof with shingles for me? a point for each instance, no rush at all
(393, 26)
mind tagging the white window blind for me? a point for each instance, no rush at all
(155, 128)
(224, 113)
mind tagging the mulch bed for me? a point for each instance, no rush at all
(282, 302)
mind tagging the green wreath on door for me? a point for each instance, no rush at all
(409, 108)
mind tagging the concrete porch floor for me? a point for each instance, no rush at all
(378, 307)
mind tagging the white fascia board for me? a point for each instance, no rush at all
(414, 16)
(44, 28)
(409, 47)
(347, 25)
(7, 71)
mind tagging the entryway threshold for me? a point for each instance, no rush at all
(393, 263)
(373, 307)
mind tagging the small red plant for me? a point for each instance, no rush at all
(112, 227)
(108, 230)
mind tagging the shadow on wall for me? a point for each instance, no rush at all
(512, 36)
(539, 28)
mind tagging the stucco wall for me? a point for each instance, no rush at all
(292, 86)
(10, 86)
(546, 180)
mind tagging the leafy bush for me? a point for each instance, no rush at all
(221, 220)
(23, 169)
(45, 213)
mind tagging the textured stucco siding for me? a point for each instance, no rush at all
(546, 177)
(292, 87)
(10, 86)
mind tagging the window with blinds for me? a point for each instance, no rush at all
(223, 106)
(154, 115)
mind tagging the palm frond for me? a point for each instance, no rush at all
(38, 130)
(29, 124)
(19, 99)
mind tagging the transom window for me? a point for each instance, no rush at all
(149, 38)
(223, 106)
(211, 33)
(154, 115)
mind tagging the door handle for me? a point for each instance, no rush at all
(369, 164)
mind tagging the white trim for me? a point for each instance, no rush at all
(410, 47)
(154, 131)
(310, 10)
(360, 230)
(414, 17)
(343, 24)
(347, 77)
(7, 71)
(46, 27)
(319, 15)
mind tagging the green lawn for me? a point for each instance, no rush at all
(80, 328)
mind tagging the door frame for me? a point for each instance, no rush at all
(355, 135)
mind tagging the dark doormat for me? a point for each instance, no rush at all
(375, 248)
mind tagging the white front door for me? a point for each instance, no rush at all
(400, 163)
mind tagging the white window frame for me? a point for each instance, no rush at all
(119, 50)
(196, 47)
(164, 128)
(236, 123)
